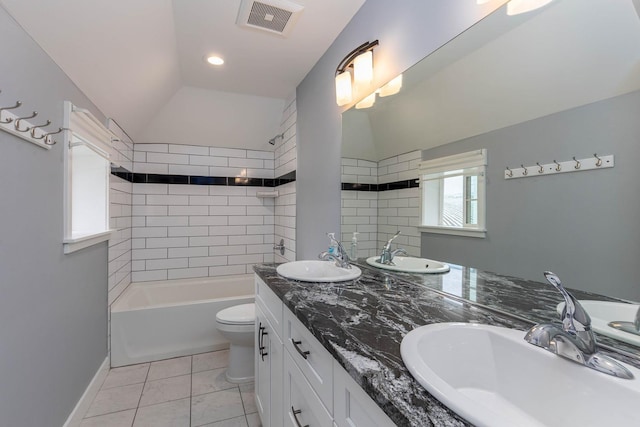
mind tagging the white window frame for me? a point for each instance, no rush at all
(83, 129)
(472, 163)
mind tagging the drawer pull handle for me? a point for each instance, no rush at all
(261, 346)
(260, 335)
(295, 343)
(295, 416)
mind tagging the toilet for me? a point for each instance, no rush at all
(237, 324)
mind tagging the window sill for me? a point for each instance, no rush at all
(77, 243)
(466, 232)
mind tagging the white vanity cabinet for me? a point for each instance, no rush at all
(297, 381)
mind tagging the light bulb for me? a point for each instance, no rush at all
(344, 93)
(363, 69)
(215, 60)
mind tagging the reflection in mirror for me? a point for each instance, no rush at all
(559, 82)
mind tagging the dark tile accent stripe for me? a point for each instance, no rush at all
(398, 185)
(359, 187)
(152, 178)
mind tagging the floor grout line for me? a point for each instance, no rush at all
(141, 393)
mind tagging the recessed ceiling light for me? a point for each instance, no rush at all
(214, 60)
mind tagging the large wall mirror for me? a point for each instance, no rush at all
(559, 82)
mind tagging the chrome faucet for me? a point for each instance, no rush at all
(575, 341)
(386, 257)
(341, 258)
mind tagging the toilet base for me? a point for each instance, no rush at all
(240, 369)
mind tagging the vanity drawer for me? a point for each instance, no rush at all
(311, 357)
(270, 305)
(302, 405)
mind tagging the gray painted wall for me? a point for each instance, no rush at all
(53, 307)
(407, 31)
(582, 226)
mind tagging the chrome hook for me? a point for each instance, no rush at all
(509, 172)
(47, 136)
(33, 130)
(599, 162)
(18, 120)
(525, 173)
(541, 170)
(9, 120)
(577, 166)
(558, 167)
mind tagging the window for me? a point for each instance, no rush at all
(452, 192)
(87, 152)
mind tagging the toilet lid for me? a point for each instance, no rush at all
(239, 314)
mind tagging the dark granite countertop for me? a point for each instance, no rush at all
(362, 323)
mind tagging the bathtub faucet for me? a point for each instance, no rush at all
(339, 254)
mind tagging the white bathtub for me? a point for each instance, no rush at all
(158, 320)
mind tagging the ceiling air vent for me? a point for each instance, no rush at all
(274, 16)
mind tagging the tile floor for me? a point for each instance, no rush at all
(186, 391)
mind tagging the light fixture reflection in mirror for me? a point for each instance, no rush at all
(392, 87)
(516, 7)
(367, 102)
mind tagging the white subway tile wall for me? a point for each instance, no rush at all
(184, 231)
(120, 202)
(399, 168)
(359, 213)
(286, 161)
(286, 150)
(376, 216)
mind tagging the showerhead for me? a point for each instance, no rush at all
(272, 141)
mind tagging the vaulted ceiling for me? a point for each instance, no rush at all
(140, 61)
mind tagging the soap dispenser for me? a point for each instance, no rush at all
(353, 252)
(333, 250)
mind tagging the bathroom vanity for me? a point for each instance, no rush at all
(328, 354)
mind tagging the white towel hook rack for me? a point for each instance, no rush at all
(22, 128)
(573, 165)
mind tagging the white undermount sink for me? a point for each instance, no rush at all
(317, 271)
(604, 312)
(407, 264)
(492, 377)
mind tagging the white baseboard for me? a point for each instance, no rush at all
(76, 416)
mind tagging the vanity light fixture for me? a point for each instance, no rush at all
(214, 60)
(360, 60)
(516, 7)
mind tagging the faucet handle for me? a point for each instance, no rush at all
(574, 317)
(388, 245)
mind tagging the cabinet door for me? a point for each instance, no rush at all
(262, 371)
(302, 406)
(268, 372)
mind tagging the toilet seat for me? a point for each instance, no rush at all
(244, 314)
